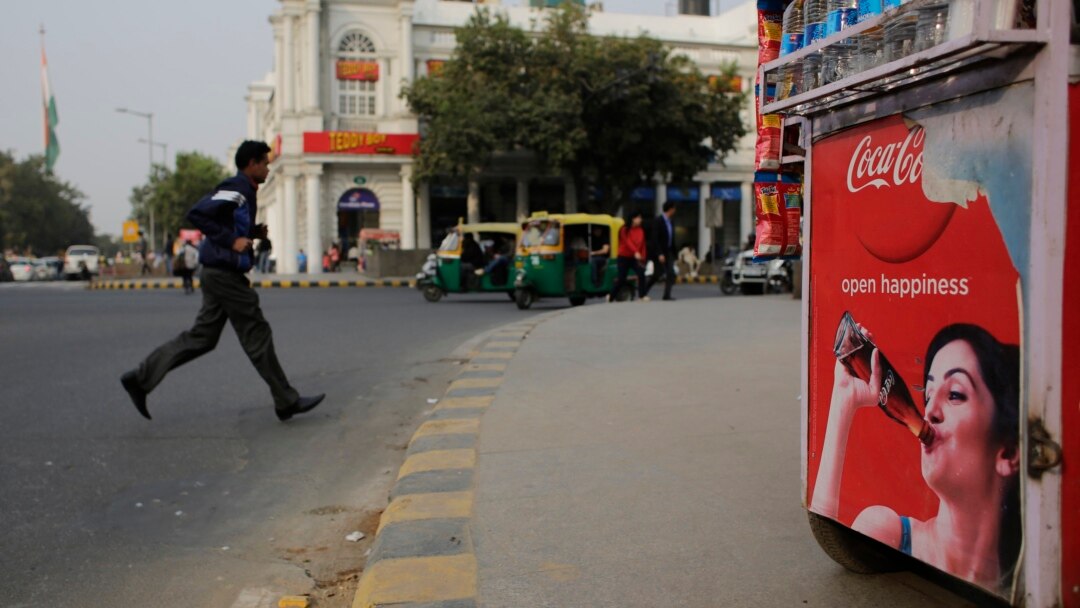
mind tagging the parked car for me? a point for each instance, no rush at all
(81, 262)
(48, 268)
(22, 269)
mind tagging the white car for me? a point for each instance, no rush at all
(22, 269)
(80, 261)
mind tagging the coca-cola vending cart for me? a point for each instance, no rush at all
(941, 322)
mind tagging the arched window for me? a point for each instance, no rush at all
(356, 97)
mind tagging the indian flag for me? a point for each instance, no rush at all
(52, 146)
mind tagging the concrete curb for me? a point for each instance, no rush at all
(166, 284)
(260, 283)
(423, 554)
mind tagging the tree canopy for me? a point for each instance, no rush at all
(172, 193)
(608, 112)
(39, 213)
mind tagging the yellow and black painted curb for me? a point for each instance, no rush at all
(166, 284)
(260, 283)
(423, 553)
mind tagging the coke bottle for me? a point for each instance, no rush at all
(854, 350)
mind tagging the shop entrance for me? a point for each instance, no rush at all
(358, 208)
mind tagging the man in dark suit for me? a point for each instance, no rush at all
(662, 249)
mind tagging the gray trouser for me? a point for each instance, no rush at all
(226, 296)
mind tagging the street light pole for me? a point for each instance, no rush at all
(149, 116)
(164, 150)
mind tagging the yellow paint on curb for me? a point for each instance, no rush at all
(438, 460)
(417, 579)
(464, 426)
(303, 283)
(442, 505)
(484, 367)
(456, 403)
(494, 354)
(294, 601)
(504, 344)
(467, 383)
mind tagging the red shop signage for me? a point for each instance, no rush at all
(358, 70)
(352, 142)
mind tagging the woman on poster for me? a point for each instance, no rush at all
(971, 463)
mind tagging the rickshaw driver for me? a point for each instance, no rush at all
(472, 257)
(500, 252)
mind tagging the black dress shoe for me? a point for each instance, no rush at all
(138, 396)
(303, 404)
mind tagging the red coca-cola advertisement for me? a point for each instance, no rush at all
(916, 310)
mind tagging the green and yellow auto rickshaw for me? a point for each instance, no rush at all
(567, 255)
(468, 248)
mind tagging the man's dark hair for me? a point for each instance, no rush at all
(668, 206)
(249, 151)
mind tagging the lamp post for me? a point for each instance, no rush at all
(149, 116)
(164, 150)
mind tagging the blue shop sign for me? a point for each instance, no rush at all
(687, 194)
(726, 193)
(358, 199)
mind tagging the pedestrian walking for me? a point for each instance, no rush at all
(632, 252)
(226, 216)
(335, 258)
(168, 254)
(188, 260)
(301, 261)
(263, 255)
(599, 252)
(662, 249)
(144, 255)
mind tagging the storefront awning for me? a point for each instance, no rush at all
(358, 199)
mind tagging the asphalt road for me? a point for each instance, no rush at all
(214, 502)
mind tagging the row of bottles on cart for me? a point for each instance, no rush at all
(906, 32)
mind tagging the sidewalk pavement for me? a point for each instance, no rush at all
(638, 454)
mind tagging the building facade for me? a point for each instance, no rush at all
(342, 134)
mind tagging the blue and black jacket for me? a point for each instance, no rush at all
(224, 215)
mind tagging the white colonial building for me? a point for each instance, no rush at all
(342, 134)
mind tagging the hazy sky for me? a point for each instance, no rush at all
(188, 63)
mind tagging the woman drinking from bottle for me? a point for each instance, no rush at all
(970, 462)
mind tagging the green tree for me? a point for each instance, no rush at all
(608, 112)
(172, 193)
(39, 212)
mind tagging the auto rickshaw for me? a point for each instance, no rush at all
(445, 272)
(553, 259)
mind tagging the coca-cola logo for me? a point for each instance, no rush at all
(883, 166)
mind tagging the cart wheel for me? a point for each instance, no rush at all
(728, 287)
(577, 300)
(524, 298)
(432, 293)
(852, 550)
(626, 293)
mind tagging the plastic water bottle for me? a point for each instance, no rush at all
(838, 58)
(868, 9)
(791, 40)
(931, 27)
(871, 49)
(811, 70)
(900, 37)
(814, 14)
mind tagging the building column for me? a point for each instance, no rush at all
(313, 180)
(279, 64)
(661, 194)
(473, 202)
(313, 73)
(704, 232)
(383, 88)
(287, 260)
(746, 217)
(287, 71)
(522, 199)
(570, 195)
(408, 209)
(407, 61)
(423, 216)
